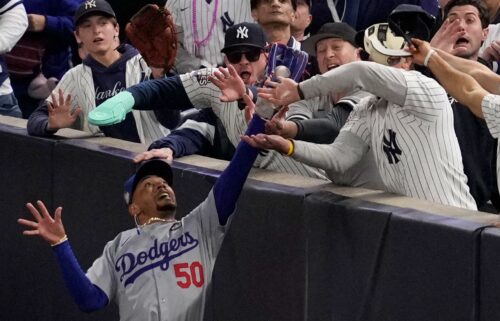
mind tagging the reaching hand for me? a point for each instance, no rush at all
(264, 141)
(280, 93)
(230, 84)
(60, 113)
(419, 49)
(166, 154)
(492, 52)
(447, 35)
(276, 125)
(50, 229)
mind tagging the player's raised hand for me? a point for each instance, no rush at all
(230, 84)
(60, 113)
(165, 154)
(264, 141)
(50, 229)
(419, 49)
(280, 93)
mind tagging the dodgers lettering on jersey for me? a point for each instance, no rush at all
(130, 266)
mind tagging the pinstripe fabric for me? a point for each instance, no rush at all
(79, 83)
(491, 112)
(203, 93)
(417, 111)
(231, 11)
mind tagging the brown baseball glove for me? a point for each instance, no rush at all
(152, 31)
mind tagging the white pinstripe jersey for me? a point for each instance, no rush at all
(213, 17)
(162, 273)
(491, 112)
(203, 94)
(410, 130)
(79, 83)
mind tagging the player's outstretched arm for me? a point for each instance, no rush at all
(87, 296)
(458, 84)
(228, 187)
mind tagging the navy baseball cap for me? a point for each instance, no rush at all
(245, 34)
(156, 167)
(339, 30)
(93, 7)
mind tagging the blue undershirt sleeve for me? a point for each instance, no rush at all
(87, 296)
(228, 186)
(164, 93)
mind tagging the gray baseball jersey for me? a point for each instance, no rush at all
(491, 112)
(162, 273)
(203, 24)
(409, 130)
(202, 93)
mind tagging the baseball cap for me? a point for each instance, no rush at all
(244, 34)
(340, 30)
(154, 167)
(411, 21)
(95, 7)
(380, 42)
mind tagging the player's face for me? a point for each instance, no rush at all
(472, 33)
(154, 196)
(270, 12)
(250, 63)
(334, 52)
(98, 34)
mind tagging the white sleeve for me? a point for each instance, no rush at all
(300, 110)
(491, 112)
(200, 91)
(382, 81)
(13, 24)
(346, 151)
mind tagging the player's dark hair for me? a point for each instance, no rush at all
(255, 3)
(479, 4)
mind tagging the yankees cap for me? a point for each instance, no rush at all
(95, 7)
(244, 34)
(339, 30)
(156, 167)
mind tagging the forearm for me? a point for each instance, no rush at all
(382, 81)
(184, 142)
(228, 187)
(347, 150)
(320, 131)
(159, 94)
(87, 296)
(38, 121)
(458, 84)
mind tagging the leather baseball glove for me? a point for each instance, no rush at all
(152, 31)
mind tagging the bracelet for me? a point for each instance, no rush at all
(61, 240)
(428, 56)
(301, 93)
(291, 147)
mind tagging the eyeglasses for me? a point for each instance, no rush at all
(252, 55)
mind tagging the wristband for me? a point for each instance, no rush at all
(61, 240)
(301, 94)
(428, 56)
(291, 148)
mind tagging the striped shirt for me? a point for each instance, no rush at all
(409, 130)
(202, 93)
(203, 25)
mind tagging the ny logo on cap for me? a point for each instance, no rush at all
(242, 33)
(90, 4)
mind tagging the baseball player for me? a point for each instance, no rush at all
(469, 82)
(161, 269)
(409, 128)
(244, 50)
(201, 25)
(105, 72)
